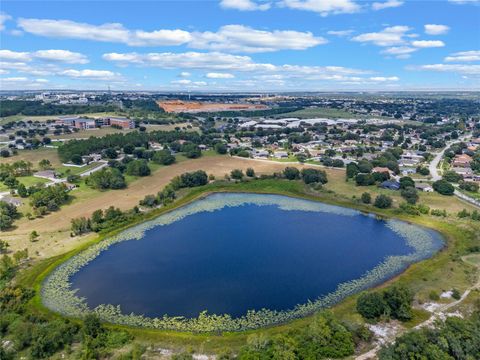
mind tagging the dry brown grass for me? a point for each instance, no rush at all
(34, 156)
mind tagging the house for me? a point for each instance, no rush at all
(462, 160)
(280, 154)
(379, 169)
(424, 187)
(390, 185)
(11, 200)
(466, 172)
(260, 153)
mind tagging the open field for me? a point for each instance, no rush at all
(177, 106)
(34, 156)
(100, 132)
(42, 118)
(321, 112)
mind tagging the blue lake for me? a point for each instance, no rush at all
(243, 257)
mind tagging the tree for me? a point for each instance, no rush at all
(372, 305)
(221, 148)
(291, 173)
(106, 178)
(110, 153)
(406, 182)
(76, 159)
(352, 170)
(366, 198)
(310, 176)
(236, 174)
(399, 300)
(364, 179)
(250, 172)
(443, 187)
(191, 151)
(138, 168)
(383, 202)
(163, 157)
(410, 194)
(33, 236)
(452, 176)
(45, 164)
(22, 190)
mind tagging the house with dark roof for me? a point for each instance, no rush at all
(390, 185)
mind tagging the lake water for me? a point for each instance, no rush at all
(250, 255)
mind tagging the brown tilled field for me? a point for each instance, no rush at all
(177, 106)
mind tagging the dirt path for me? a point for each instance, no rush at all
(438, 313)
(54, 229)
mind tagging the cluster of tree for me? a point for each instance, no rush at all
(23, 107)
(361, 171)
(474, 215)
(394, 302)
(443, 187)
(163, 157)
(106, 178)
(324, 338)
(49, 198)
(8, 214)
(308, 175)
(37, 337)
(17, 168)
(452, 176)
(133, 139)
(455, 338)
(103, 220)
(114, 218)
(468, 186)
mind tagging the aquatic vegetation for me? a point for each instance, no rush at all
(58, 295)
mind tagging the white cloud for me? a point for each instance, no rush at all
(90, 74)
(110, 32)
(3, 18)
(3, 72)
(384, 79)
(240, 38)
(233, 38)
(455, 68)
(387, 4)
(428, 43)
(244, 5)
(400, 52)
(9, 55)
(340, 33)
(189, 60)
(461, 2)
(436, 29)
(214, 75)
(181, 82)
(184, 74)
(188, 83)
(464, 56)
(390, 36)
(323, 7)
(61, 56)
(15, 79)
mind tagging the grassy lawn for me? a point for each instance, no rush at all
(319, 112)
(32, 180)
(73, 170)
(34, 156)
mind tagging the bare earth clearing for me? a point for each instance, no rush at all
(177, 106)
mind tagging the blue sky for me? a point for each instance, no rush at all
(241, 45)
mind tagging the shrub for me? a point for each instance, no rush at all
(310, 176)
(138, 168)
(366, 198)
(364, 179)
(163, 157)
(372, 305)
(250, 172)
(443, 187)
(236, 174)
(383, 201)
(291, 173)
(410, 195)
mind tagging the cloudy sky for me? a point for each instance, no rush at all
(241, 45)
